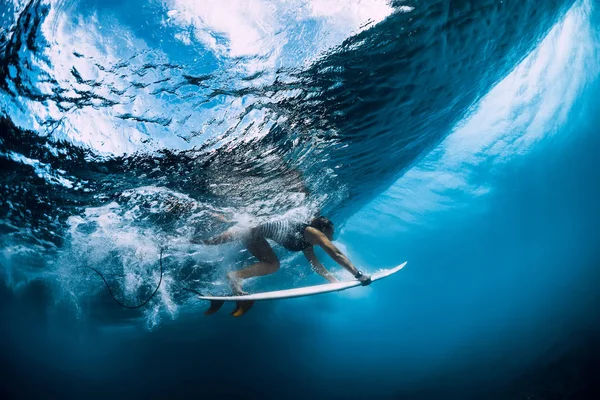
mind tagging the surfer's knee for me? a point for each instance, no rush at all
(273, 265)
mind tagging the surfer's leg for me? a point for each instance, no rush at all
(268, 261)
(224, 237)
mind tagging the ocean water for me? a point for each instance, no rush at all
(458, 135)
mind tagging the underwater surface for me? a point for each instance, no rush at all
(459, 135)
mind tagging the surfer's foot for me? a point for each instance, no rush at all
(236, 284)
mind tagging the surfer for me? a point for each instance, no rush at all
(294, 236)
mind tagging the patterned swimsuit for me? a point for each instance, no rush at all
(289, 234)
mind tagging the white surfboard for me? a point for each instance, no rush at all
(244, 302)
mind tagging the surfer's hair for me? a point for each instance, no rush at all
(323, 224)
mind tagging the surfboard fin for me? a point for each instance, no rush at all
(241, 307)
(215, 305)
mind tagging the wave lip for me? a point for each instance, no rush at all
(117, 111)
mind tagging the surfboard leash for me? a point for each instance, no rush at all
(144, 302)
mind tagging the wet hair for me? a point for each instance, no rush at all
(323, 224)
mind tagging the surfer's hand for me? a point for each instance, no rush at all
(363, 278)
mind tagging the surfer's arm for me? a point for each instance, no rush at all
(333, 252)
(317, 266)
(316, 237)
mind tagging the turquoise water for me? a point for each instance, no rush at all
(458, 136)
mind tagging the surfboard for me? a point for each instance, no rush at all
(244, 302)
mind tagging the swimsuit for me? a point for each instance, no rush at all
(289, 234)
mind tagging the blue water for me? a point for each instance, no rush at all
(460, 136)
